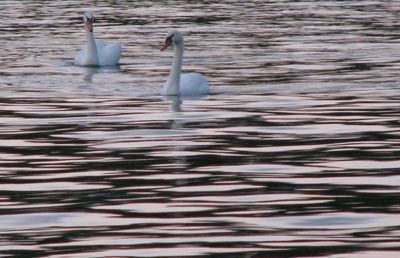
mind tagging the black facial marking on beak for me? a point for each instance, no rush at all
(90, 19)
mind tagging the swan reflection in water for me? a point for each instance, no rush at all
(176, 102)
(90, 71)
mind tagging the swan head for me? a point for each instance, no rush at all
(88, 19)
(173, 37)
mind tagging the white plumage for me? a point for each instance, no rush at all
(190, 84)
(187, 84)
(96, 52)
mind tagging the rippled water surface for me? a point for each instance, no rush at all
(294, 154)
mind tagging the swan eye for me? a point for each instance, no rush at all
(170, 39)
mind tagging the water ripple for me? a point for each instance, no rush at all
(294, 154)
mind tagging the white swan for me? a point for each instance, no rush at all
(96, 52)
(188, 84)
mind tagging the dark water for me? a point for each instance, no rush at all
(294, 154)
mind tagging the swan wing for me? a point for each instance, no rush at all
(192, 84)
(100, 45)
(109, 54)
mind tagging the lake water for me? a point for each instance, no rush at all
(294, 154)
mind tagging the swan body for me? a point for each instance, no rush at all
(187, 84)
(96, 52)
(190, 84)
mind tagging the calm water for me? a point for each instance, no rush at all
(294, 154)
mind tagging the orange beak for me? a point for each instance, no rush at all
(167, 42)
(89, 26)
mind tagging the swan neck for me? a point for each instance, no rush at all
(92, 58)
(175, 73)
